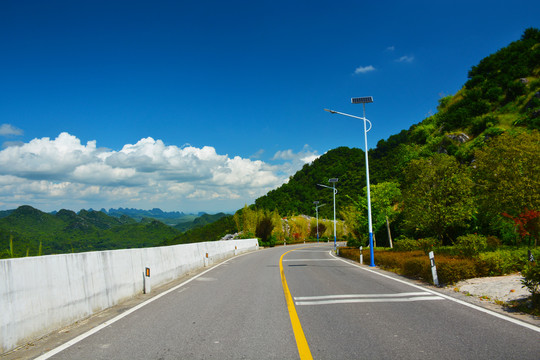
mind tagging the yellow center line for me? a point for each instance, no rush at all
(301, 342)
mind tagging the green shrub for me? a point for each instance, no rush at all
(395, 260)
(493, 242)
(470, 245)
(349, 253)
(271, 241)
(428, 244)
(450, 271)
(531, 280)
(356, 243)
(504, 261)
(500, 262)
(405, 244)
(418, 267)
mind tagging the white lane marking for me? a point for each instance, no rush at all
(373, 300)
(492, 313)
(284, 260)
(352, 296)
(124, 314)
(312, 251)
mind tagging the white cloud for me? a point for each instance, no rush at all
(391, 48)
(9, 130)
(364, 69)
(406, 59)
(295, 161)
(284, 155)
(63, 173)
(258, 154)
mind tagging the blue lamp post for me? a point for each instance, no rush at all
(317, 206)
(364, 101)
(333, 181)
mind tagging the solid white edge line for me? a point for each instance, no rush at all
(83, 336)
(500, 316)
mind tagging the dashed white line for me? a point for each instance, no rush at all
(365, 298)
(350, 296)
(285, 260)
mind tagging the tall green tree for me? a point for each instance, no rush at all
(437, 196)
(264, 228)
(507, 174)
(384, 200)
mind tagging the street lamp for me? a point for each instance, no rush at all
(364, 100)
(317, 206)
(333, 181)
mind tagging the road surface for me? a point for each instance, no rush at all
(337, 310)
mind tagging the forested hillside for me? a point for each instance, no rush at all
(474, 166)
(29, 232)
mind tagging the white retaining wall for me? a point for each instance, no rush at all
(41, 294)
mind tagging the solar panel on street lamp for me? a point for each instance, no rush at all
(362, 100)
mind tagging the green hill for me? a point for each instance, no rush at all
(200, 221)
(502, 96)
(33, 232)
(210, 232)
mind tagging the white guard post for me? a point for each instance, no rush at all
(433, 268)
(147, 286)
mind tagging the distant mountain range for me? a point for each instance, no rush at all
(27, 231)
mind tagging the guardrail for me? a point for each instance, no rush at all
(41, 294)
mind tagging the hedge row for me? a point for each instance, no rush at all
(450, 268)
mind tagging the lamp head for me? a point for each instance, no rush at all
(362, 100)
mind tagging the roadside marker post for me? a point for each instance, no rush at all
(361, 256)
(147, 287)
(433, 268)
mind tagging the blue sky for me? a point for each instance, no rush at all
(207, 105)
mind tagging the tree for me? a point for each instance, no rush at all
(279, 228)
(384, 199)
(507, 174)
(355, 219)
(299, 227)
(246, 220)
(313, 228)
(438, 197)
(527, 224)
(264, 229)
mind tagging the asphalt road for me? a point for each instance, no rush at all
(238, 310)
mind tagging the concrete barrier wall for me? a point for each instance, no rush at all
(41, 294)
